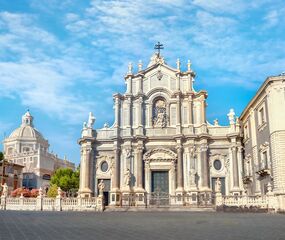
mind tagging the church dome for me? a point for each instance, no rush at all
(26, 130)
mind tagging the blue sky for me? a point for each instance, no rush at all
(64, 58)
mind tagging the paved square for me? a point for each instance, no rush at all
(140, 225)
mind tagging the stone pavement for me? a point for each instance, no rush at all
(140, 225)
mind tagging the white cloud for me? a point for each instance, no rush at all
(209, 32)
(36, 67)
(274, 17)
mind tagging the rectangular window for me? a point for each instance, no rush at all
(261, 115)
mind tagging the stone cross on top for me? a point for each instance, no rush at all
(158, 47)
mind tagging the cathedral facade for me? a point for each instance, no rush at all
(161, 143)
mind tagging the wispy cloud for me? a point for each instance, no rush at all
(41, 71)
(211, 35)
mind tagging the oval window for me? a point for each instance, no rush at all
(217, 164)
(104, 166)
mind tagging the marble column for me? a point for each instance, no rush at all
(190, 109)
(139, 152)
(117, 111)
(203, 117)
(204, 168)
(178, 82)
(178, 116)
(129, 104)
(85, 185)
(140, 115)
(141, 84)
(235, 168)
(179, 167)
(129, 85)
(116, 170)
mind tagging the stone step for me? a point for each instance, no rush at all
(159, 209)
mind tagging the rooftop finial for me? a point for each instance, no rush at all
(130, 68)
(140, 65)
(158, 47)
(27, 119)
(189, 65)
(178, 64)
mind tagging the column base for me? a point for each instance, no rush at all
(127, 197)
(205, 196)
(115, 197)
(85, 192)
(140, 199)
(179, 196)
(191, 197)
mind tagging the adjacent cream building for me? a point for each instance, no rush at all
(161, 143)
(264, 138)
(26, 146)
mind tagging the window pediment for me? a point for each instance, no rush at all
(160, 154)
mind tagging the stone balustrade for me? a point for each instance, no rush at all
(52, 204)
(269, 201)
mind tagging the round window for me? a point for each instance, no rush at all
(217, 164)
(104, 166)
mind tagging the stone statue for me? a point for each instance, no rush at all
(91, 120)
(127, 177)
(192, 177)
(269, 187)
(5, 190)
(101, 187)
(160, 119)
(216, 122)
(218, 186)
(59, 192)
(40, 192)
(231, 116)
(106, 125)
(128, 153)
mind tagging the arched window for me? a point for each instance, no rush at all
(159, 113)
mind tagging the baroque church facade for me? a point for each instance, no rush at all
(161, 142)
(27, 147)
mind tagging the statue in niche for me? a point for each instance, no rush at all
(160, 117)
(127, 178)
(218, 185)
(192, 177)
(101, 187)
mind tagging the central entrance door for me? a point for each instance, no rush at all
(160, 181)
(159, 188)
